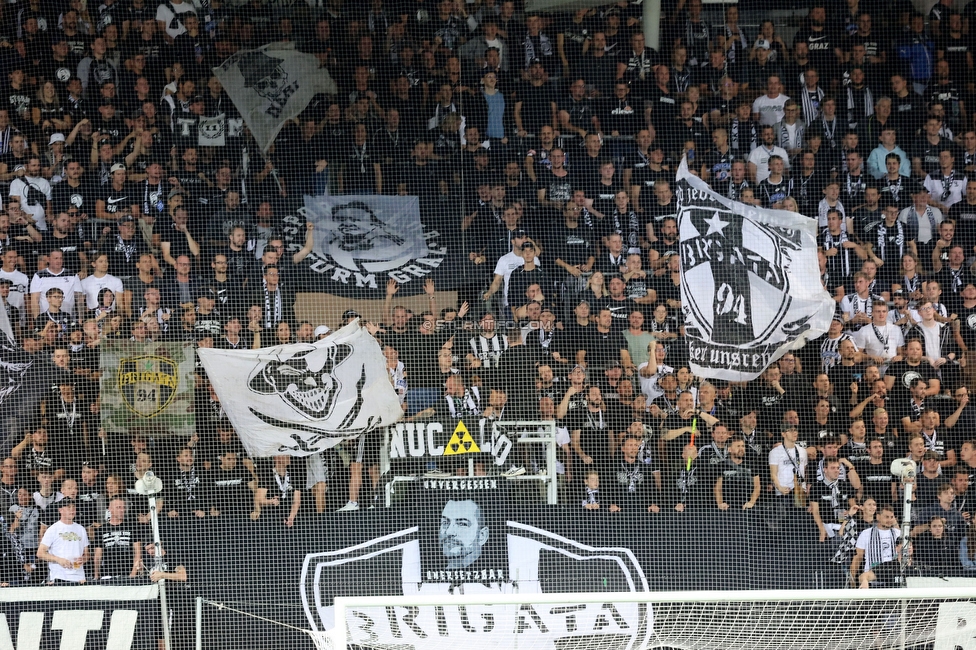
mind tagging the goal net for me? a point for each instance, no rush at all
(943, 619)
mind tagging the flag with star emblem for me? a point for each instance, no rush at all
(750, 287)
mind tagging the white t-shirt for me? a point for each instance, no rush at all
(933, 340)
(34, 193)
(649, 385)
(770, 110)
(67, 541)
(925, 231)
(67, 282)
(165, 14)
(504, 267)
(18, 290)
(888, 542)
(865, 339)
(92, 286)
(936, 186)
(785, 461)
(760, 158)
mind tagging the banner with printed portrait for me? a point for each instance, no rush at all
(148, 387)
(362, 242)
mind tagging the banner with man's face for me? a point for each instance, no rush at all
(462, 540)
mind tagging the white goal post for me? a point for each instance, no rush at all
(938, 618)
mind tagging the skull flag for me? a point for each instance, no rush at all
(299, 399)
(271, 85)
(750, 288)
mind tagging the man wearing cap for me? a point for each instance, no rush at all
(65, 547)
(118, 198)
(506, 264)
(33, 191)
(526, 275)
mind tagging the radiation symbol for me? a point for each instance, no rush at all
(461, 442)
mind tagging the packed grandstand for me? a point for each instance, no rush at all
(531, 270)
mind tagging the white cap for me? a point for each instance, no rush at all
(762, 44)
(321, 330)
(56, 137)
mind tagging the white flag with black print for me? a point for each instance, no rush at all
(212, 131)
(271, 85)
(303, 398)
(750, 282)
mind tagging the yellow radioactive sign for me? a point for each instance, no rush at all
(461, 442)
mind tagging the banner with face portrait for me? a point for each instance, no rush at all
(363, 241)
(465, 544)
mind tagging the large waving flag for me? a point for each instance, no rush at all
(750, 287)
(303, 398)
(271, 85)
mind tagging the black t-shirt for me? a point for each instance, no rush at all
(186, 490)
(876, 480)
(64, 197)
(674, 447)
(558, 188)
(602, 195)
(282, 487)
(123, 254)
(719, 165)
(630, 485)
(737, 482)
(904, 374)
(118, 548)
(571, 245)
(70, 246)
(118, 201)
(594, 428)
(228, 489)
(832, 499)
(602, 349)
(536, 110)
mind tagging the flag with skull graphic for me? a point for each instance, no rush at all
(303, 398)
(271, 85)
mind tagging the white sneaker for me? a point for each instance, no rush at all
(349, 507)
(513, 471)
(436, 473)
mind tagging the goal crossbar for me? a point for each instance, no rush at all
(729, 620)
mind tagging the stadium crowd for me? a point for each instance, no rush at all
(546, 146)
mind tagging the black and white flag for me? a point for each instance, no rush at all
(271, 85)
(303, 398)
(750, 287)
(212, 131)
